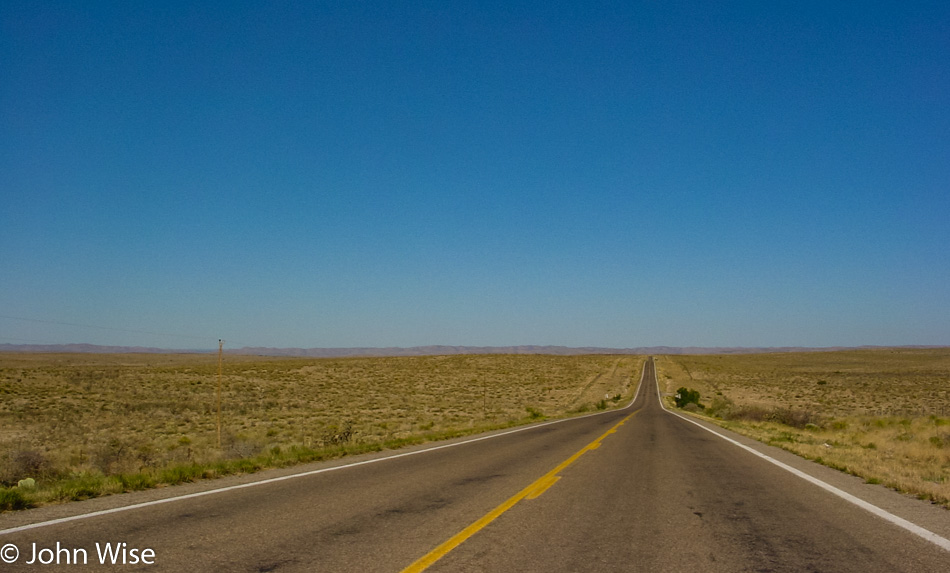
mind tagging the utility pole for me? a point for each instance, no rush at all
(218, 393)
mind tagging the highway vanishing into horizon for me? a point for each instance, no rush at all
(632, 489)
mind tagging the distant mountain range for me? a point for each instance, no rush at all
(424, 350)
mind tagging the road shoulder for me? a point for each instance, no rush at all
(931, 517)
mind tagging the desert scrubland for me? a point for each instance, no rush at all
(81, 425)
(881, 414)
(74, 426)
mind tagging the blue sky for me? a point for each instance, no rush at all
(489, 173)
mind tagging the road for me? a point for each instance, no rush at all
(636, 489)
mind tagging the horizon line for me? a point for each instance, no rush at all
(438, 349)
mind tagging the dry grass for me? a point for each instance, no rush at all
(86, 425)
(882, 414)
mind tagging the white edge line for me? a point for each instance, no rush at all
(926, 534)
(312, 472)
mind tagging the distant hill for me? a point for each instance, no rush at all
(530, 349)
(423, 350)
(444, 350)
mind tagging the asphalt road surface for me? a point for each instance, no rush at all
(637, 489)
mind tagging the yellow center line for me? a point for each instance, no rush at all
(536, 488)
(543, 486)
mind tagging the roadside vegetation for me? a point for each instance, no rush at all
(881, 414)
(76, 426)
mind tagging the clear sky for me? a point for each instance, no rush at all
(475, 173)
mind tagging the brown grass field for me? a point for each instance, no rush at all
(82, 425)
(881, 414)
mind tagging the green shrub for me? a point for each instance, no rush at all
(180, 474)
(79, 487)
(534, 413)
(12, 499)
(721, 407)
(686, 396)
(136, 481)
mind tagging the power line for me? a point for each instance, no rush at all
(30, 340)
(97, 327)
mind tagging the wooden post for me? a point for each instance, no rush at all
(218, 393)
